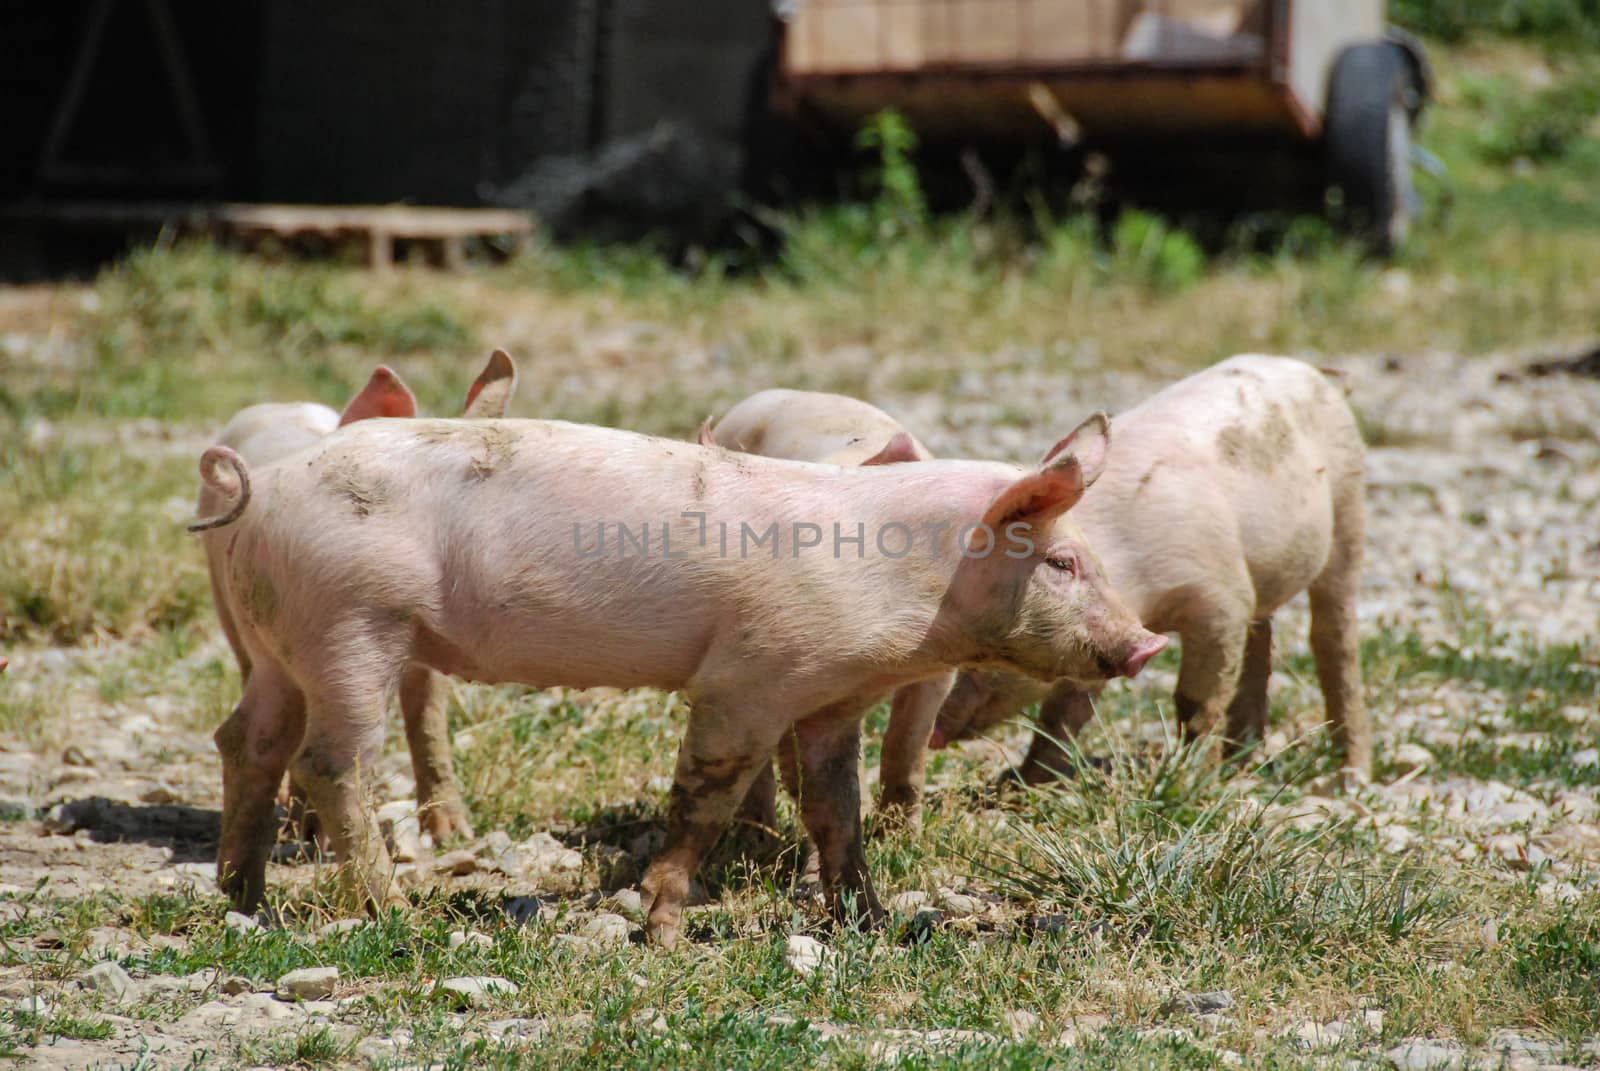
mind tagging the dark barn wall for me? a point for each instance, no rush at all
(668, 60)
(438, 104)
(336, 101)
(369, 103)
(128, 117)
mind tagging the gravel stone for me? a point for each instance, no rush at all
(1203, 1003)
(607, 930)
(477, 990)
(108, 978)
(627, 903)
(1426, 1054)
(308, 983)
(241, 923)
(804, 954)
(460, 938)
(957, 905)
(906, 903)
(457, 864)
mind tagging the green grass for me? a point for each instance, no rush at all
(1560, 23)
(26, 1029)
(312, 1047)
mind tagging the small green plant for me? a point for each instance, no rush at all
(316, 1047)
(1155, 254)
(899, 205)
(62, 1025)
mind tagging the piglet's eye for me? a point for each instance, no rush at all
(1066, 565)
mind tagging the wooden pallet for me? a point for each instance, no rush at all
(379, 226)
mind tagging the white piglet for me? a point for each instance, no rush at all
(1226, 495)
(838, 430)
(266, 433)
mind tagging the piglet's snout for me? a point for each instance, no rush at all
(1147, 648)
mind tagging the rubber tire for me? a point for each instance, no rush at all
(1367, 142)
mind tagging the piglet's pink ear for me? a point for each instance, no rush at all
(491, 392)
(704, 436)
(1088, 443)
(1037, 498)
(900, 448)
(383, 396)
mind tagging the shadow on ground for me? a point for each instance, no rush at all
(191, 832)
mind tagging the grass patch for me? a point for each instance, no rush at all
(1561, 23)
(318, 1046)
(1168, 855)
(162, 307)
(30, 1029)
(95, 541)
(1558, 967)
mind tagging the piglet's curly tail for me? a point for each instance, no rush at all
(238, 483)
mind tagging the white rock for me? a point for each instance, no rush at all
(478, 989)
(1409, 757)
(108, 978)
(516, 1031)
(543, 852)
(1424, 1054)
(1082, 1026)
(1396, 838)
(580, 946)
(34, 1005)
(1589, 756)
(1517, 1045)
(906, 903)
(210, 1015)
(241, 923)
(1207, 1002)
(400, 826)
(339, 927)
(269, 1005)
(649, 1019)
(458, 863)
(957, 905)
(459, 938)
(1517, 852)
(1514, 813)
(197, 873)
(495, 845)
(888, 1046)
(1576, 807)
(607, 930)
(1314, 1035)
(1020, 1022)
(308, 983)
(627, 903)
(804, 954)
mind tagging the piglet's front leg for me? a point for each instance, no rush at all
(721, 756)
(828, 752)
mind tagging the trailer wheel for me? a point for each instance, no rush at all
(1367, 142)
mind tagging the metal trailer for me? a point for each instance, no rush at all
(1323, 79)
